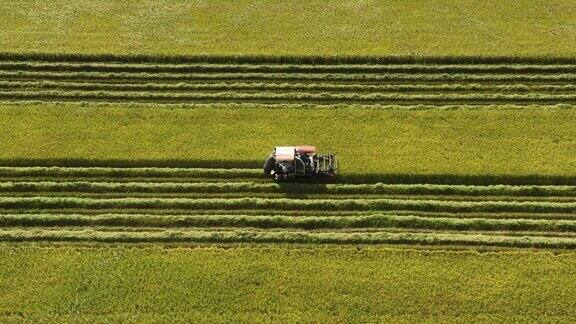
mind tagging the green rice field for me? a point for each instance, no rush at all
(133, 135)
(281, 284)
(280, 27)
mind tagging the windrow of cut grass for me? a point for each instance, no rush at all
(291, 213)
(288, 204)
(377, 78)
(265, 67)
(266, 81)
(265, 236)
(221, 206)
(288, 188)
(290, 97)
(368, 222)
(472, 88)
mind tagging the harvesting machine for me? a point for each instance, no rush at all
(291, 162)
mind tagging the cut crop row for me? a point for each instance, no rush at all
(286, 59)
(283, 68)
(289, 204)
(213, 171)
(286, 97)
(301, 195)
(294, 236)
(282, 221)
(292, 213)
(323, 77)
(286, 87)
(289, 188)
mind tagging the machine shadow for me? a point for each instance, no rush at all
(301, 188)
(129, 163)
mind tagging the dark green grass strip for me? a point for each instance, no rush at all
(217, 173)
(128, 179)
(292, 213)
(287, 59)
(232, 170)
(319, 77)
(474, 88)
(288, 188)
(284, 221)
(289, 204)
(288, 97)
(264, 236)
(282, 68)
(231, 195)
(285, 96)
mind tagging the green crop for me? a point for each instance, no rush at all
(285, 284)
(126, 172)
(335, 28)
(453, 123)
(484, 145)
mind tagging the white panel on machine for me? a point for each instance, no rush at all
(285, 153)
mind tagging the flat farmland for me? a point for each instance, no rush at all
(108, 158)
(433, 151)
(133, 135)
(250, 27)
(247, 284)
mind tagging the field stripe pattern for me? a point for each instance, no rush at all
(239, 205)
(293, 82)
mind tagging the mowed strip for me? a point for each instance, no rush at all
(223, 211)
(366, 222)
(289, 188)
(252, 236)
(265, 81)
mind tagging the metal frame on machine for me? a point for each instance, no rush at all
(329, 161)
(299, 171)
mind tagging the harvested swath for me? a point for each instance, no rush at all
(287, 59)
(294, 213)
(285, 221)
(367, 77)
(254, 236)
(270, 187)
(290, 84)
(286, 97)
(261, 86)
(292, 68)
(289, 204)
(229, 195)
